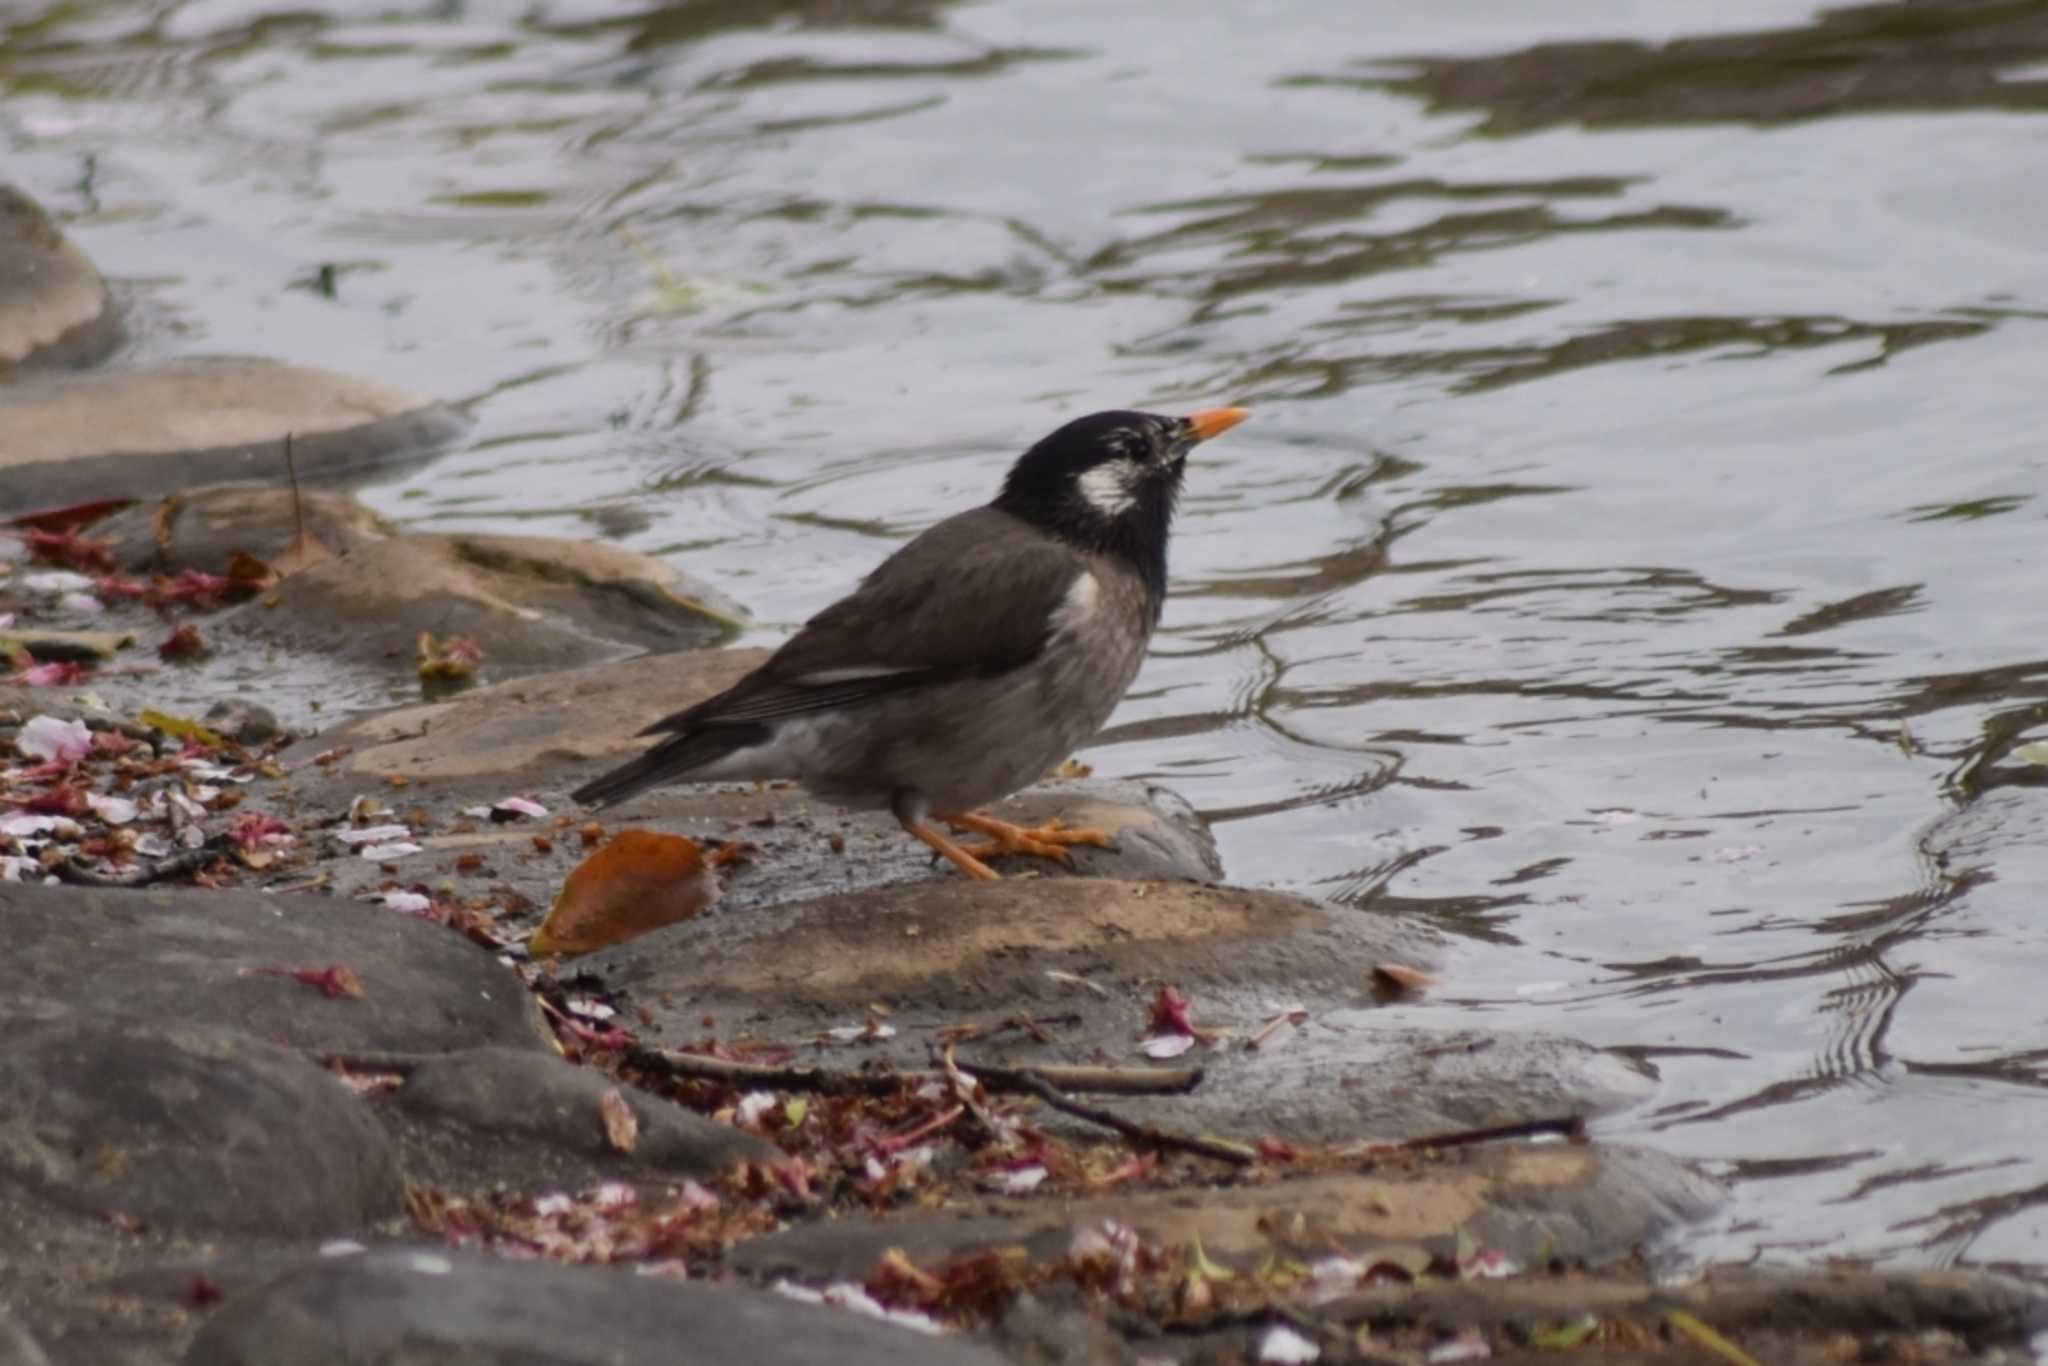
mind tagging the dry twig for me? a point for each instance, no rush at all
(1035, 1083)
(1124, 1081)
(177, 865)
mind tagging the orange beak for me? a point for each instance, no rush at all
(1216, 421)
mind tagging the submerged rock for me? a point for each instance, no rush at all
(54, 308)
(144, 433)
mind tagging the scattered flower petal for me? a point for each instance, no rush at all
(372, 834)
(1469, 1345)
(1282, 1343)
(54, 741)
(112, 810)
(1167, 1045)
(1016, 1182)
(381, 853)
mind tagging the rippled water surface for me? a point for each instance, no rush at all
(1635, 564)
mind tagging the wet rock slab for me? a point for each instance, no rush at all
(224, 959)
(77, 438)
(544, 734)
(545, 730)
(1819, 1318)
(200, 1128)
(205, 528)
(419, 1306)
(1093, 953)
(531, 602)
(54, 309)
(1534, 1202)
(528, 1120)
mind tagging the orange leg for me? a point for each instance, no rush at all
(958, 857)
(1049, 840)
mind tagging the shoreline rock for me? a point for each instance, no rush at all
(55, 311)
(73, 438)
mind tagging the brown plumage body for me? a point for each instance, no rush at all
(970, 662)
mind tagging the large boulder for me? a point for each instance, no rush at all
(54, 308)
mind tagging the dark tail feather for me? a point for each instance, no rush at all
(670, 761)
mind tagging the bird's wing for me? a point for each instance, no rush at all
(974, 596)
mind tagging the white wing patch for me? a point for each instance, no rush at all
(825, 678)
(1111, 488)
(1080, 602)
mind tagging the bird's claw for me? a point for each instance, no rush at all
(1048, 841)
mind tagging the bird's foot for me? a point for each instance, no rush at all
(1049, 841)
(960, 858)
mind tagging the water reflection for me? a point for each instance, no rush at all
(1909, 55)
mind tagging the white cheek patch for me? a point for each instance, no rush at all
(1111, 488)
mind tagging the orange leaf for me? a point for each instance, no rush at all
(640, 881)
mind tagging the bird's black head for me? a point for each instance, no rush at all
(1108, 482)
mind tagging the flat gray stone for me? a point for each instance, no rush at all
(530, 602)
(220, 958)
(536, 1119)
(546, 729)
(145, 433)
(186, 1127)
(203, 528)
(54, 308)
(18, 1346)
(429, 1307)
(1577, 1202)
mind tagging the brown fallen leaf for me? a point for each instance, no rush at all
(638, 882)
(621, 1129)
(1398, 979)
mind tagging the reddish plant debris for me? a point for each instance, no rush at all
(56, 674)
(1169, 1014)
(336, 981)
(70, 517)
(252, 830)
(183, 643)
(69, 549)
(202, 1290)
(608, 1224)
(59, 799)
(194, 589)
